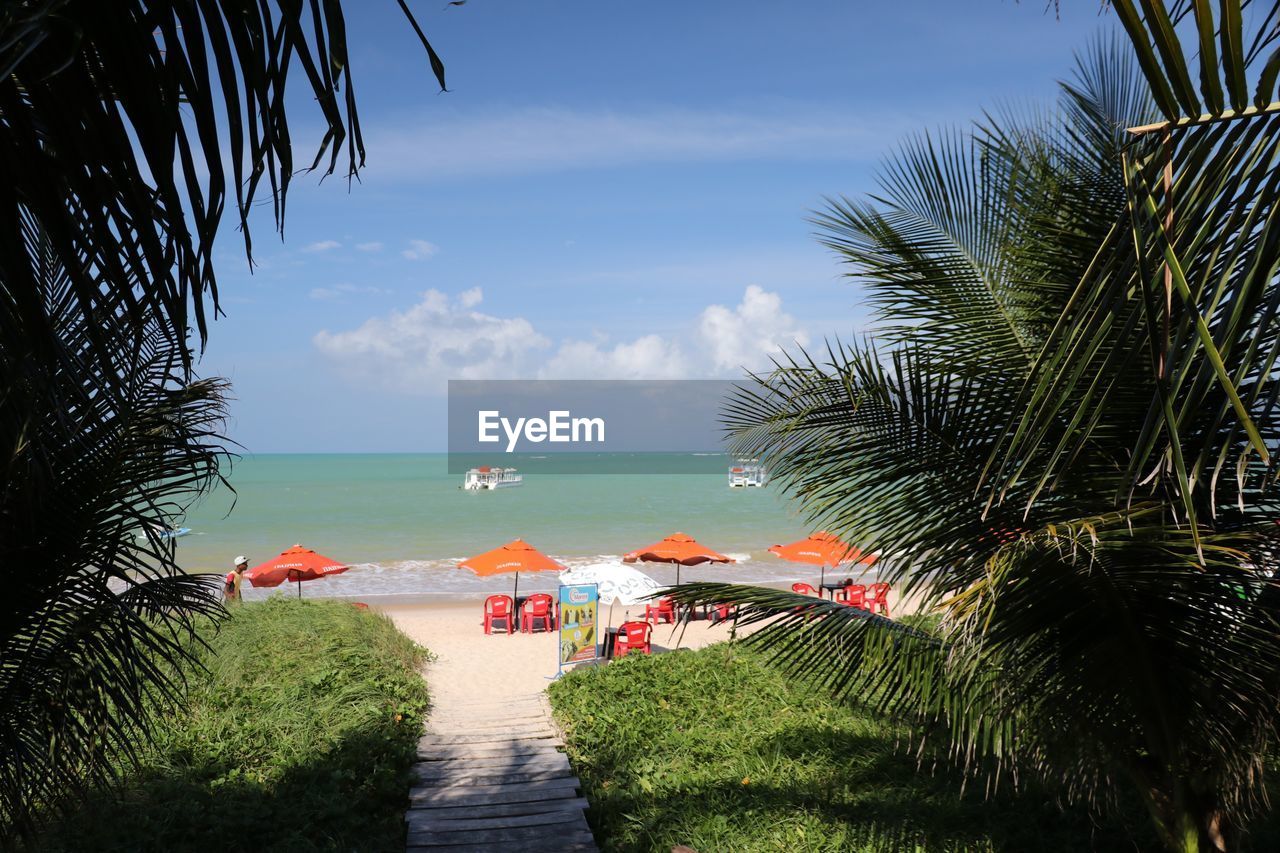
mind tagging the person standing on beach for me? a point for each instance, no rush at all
(235, 579)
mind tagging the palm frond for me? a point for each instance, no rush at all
(98, 618)
(115, 119)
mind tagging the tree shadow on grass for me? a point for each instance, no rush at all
(350, 796)
(862, 796)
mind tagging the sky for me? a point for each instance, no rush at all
(608, 190)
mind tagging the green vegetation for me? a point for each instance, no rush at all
(298, 737)
(1061, 431)
(138, 123)
(719, 751)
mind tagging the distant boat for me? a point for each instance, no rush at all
(486, 477)
(168, 532)
(748, 474)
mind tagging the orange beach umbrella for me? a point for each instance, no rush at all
(516, 556)
(679, 549)
(294, 564)
(822, 549)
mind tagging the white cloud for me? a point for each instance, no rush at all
(442, 337)
(322, 246)
(748, 335)
(540, 140)
(420, 250)
(369, 247)
(417, 350)
(648, 357)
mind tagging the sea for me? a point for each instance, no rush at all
(402, 522)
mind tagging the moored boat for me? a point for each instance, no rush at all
(747, 474)
(486, 477)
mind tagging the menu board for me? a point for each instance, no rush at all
(579, 611)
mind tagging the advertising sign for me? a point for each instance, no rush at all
(579, 609)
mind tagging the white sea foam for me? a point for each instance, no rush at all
(444, 577)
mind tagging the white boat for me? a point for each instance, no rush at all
(748, 474)
(486, 477)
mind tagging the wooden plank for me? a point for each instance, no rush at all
(481, 795)
(461, 725)
(498, 777)
(562, 838)
(492, 709)
(446, 740)
(543, 759)
(437, 752)
(429, 822)
(458, 727)
(551, 802)
(537, 845)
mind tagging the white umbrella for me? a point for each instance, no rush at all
(617, 582)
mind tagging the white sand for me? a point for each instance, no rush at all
(472, 668)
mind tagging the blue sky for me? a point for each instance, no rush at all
(610, 190)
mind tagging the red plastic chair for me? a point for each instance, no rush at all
(878, 597)
(632, 637)
(854, 595)
(665, 609)
(721, 612)
(537, 609)
(497, 608)
(804, 588)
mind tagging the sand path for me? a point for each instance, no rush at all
(490, 769)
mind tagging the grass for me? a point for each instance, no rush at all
(298, 737)
(718, 751)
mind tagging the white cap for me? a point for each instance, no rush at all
(242, 560)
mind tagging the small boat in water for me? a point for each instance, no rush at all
(748, 474)
(168, 533)
(486, 477)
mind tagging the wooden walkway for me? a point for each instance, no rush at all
(490, 775)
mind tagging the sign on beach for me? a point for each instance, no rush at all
(579, 609)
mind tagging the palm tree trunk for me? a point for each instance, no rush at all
(1189, 822)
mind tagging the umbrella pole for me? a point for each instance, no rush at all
(822, 580)
(515, 602)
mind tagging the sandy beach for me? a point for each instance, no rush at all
(472, 667)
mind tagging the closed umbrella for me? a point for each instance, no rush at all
(679, 549)
(294, 564)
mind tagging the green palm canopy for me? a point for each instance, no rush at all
(1060, 433)
(127, 130)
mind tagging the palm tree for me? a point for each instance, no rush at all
(126, 129)
(1059, 438)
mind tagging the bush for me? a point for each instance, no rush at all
(298, 736)
(716, 750)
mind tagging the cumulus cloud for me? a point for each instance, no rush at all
(369, 247)
(648, 357)
(322, 246)
(438, 339)
(748, 335)
(442, 337)
(420, 250)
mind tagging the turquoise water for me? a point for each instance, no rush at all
(403, 524)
